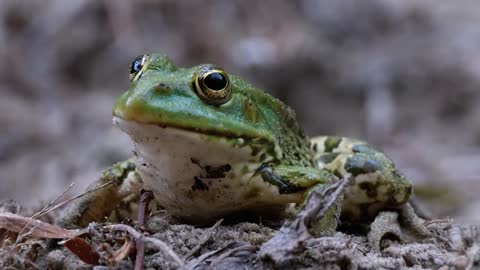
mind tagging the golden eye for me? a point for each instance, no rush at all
(137, 66)
(213, 86)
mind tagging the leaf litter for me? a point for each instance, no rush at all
(245, 245)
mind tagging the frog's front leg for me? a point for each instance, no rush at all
(116, 185)
(377, 185)
(295, 179)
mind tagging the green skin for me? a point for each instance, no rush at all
(284, 159)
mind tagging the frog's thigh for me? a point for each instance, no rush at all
(103, 196)
(292, 179)
(377, 185)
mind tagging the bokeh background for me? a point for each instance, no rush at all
(403, 75)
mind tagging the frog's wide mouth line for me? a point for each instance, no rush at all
(121, 122)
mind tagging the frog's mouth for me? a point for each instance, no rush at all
(194, 143)
(126, 126)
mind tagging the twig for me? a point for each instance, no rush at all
(145, 199)
(207, 238)
(44, 210)
(156, 242)
(249, 248)
(79, 196)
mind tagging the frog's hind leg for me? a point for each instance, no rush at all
(377, 185)
(117, 185)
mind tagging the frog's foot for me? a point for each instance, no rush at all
(403, 226)
(413, 223)
(113, 195)
(385, 227)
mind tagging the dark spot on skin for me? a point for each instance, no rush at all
(337, 174)
(198, 184)
(397, 175)
(217, 172)
(284, 187)
(213, 171)
(254, 151)
(161, 88)
(144, 164)
(332, 143)
(299, 144)
(369, 188)
(357, 164)
(364, 148)
(327, 158)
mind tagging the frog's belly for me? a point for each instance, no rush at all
(172, 163)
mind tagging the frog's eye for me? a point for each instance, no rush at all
(137, 66)
(212, 86)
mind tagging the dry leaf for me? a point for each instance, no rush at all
(82, 250)
(35, 228)
(127, 248)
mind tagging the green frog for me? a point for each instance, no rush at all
(209, 144)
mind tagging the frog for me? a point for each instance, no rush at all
(209, 144)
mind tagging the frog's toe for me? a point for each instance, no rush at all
(385, 227)
(403, 226)
(413, 223)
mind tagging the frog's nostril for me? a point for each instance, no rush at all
(161, 88)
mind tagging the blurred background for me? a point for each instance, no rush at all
(403, 75)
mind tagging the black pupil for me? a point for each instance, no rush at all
(215, 81)
(136, 65)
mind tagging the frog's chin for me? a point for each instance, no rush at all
(199, 177)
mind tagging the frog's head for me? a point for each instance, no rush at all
(203, 99)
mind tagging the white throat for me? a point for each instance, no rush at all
(173, 164)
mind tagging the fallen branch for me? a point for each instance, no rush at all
(145, 199)
(207, 238)
(139, 236)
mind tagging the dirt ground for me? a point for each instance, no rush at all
(167, 244)
(403, 75)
